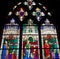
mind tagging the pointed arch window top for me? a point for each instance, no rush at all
(48, 28)
(30, 21)
(11, 28)
(12, 22)
(47, 22)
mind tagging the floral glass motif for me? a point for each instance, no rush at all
(50, 47)
(30, 4)
(21, 13)
(10, 41)
(38, 13)
(30, 41)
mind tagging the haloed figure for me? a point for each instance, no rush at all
(4, 51)
(47, 50)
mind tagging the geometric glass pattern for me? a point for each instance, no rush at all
(38, 14)
(30, 4)
(21, 14)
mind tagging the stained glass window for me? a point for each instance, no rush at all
(10, 41)
(30, 41)
(28, 38)
(50, 46)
